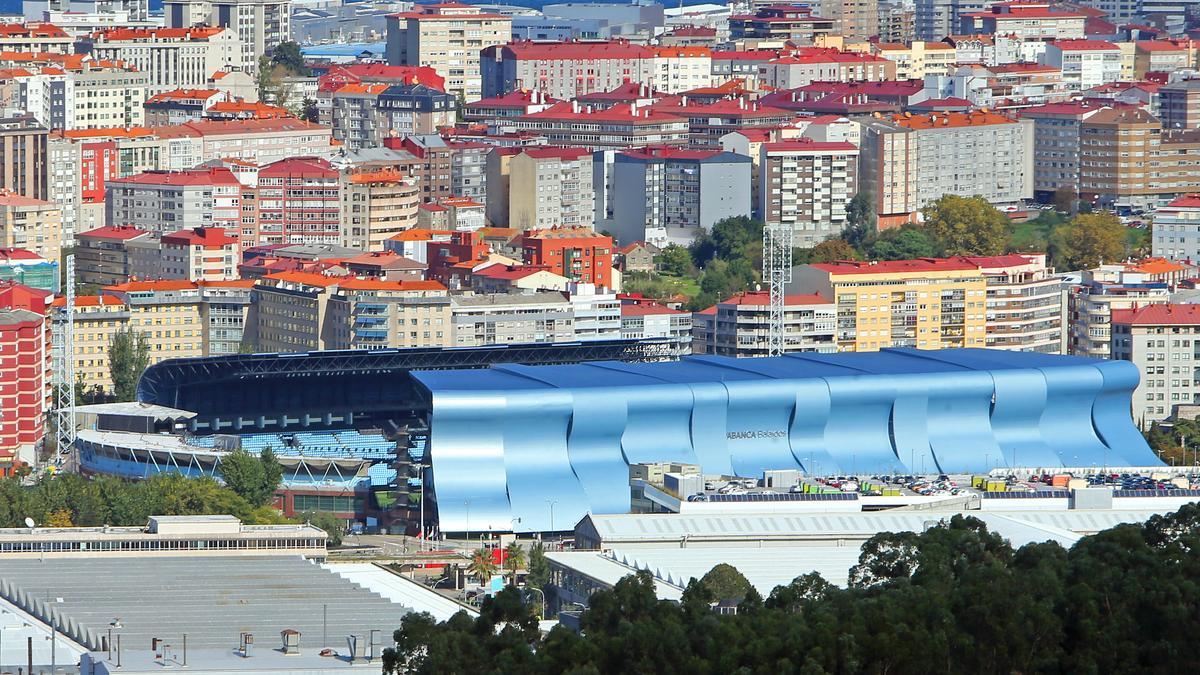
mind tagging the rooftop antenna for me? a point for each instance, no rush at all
(62, 343)
(777, 272)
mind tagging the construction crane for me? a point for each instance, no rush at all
(777, 273)
(62, 345)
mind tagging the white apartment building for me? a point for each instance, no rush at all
(647, 319)
(1176, 230)
(597, 312)
(171, 58)
(551, 187)
(511, 318)
(260, 25)
(449, 38)
(739, 326)
(1163, 341)
(1091, 305)
(1026, 303)
(1084, 63)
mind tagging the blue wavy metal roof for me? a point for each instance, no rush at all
(513, 443)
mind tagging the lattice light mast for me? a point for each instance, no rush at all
(777, 273)
(63, 363)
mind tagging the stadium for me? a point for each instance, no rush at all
(532, 438)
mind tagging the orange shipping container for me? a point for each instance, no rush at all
(1061, 480)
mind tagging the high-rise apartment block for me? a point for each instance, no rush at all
(448, 37)
(807, 186)
(551, 187)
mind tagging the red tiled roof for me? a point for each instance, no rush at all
(764, 298)
(670, 152)
(1159, 46)
(183, 95)
(380, 285)
(10, 198)
(18, 254)
(952, 120)
(509, 272)
(1083, 45)
(1188, 201)
(647, 309)
(618, 113)
(895, 266)
(154, 285)
(556, 152)
(567, 51)
(299, 166)
(119, 232)
(211, 176)
(9, 30)
(131, 34)
(807, 145)
(1163, 314)
(200, 236)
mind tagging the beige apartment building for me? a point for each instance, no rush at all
(551, 187)
(32, 224)
(807, 186)
(924, 303)
(172, 58)
(377, 205)
(447, 37)
(515, 318)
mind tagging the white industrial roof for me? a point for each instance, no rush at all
(607, 571)
(18, 626)
(399, 589)
(765, 568)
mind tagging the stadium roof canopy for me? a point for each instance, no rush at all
(535, 448)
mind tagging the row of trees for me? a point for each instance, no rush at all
(729, 258)
(955, 598)
(68, 500)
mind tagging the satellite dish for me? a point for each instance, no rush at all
(29, 523)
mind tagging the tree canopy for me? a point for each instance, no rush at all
(255, 479)
(1087, 240)
(954, 598)
(128, 358)
(966, 226)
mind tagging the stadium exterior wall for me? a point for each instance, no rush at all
(535, 448)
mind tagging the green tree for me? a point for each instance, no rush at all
(309, 110)
(287, 55)
(832, 250)
(675, 259)
(538, 575)
(334, 527)
(514, 559)
(901, 243)
(1087, 240)
(253, 478)
(128, 357)
(1066, 200)
(860, 219)
(966, 226)
(482, 566)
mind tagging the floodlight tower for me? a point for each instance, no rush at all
(777, 273)
(62, 343)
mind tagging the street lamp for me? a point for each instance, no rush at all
(552, 502)
(541, 593)
(467, 523)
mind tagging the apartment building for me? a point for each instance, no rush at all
(224, 315)
(619, 127)
(23, 151)
(549, 187)
(258, 141)
(579, 254)
(1025, 20)
(33, 38)
(180, 105)
(807, 186)
(566, 70)
(787, 23)
(199, 254)
(936, 19)
(298, 202)
(1090, 305)
(641, 318)
(24, 384)
(857, 19)
(409, 109)
(1176, 232)
(377, 314)
(810, 65)
(166, 201)
(102, 255)
(515, 318)
(1163, 341)
(1084, 63)
(909, 161)
(708, 122)
(97, 320)
(351, 112)
(32, 224)
(29, 269)
(1056, 133)
(172, 58)
(1026, 303)
(920, 58)
(1116, 148)
(375, 206)
(1179, 104)
(260, 25)
(664, 195)
(739, 326)
(1161, 56)
(449, 38)
(924, 303)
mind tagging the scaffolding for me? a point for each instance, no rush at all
(777, 273)
(62, 343)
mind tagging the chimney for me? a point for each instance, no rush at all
(574, 106)
(291, 641)
(741, 103)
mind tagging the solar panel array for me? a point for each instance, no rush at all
(1156, 493)
(786, 497)
(1036, 494)
(211, 599)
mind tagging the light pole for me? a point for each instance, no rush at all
(541, 593)
(421, 471)
(552, 502)
(467, 523)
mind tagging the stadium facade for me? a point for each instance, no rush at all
(485, 442)
(532, 449)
